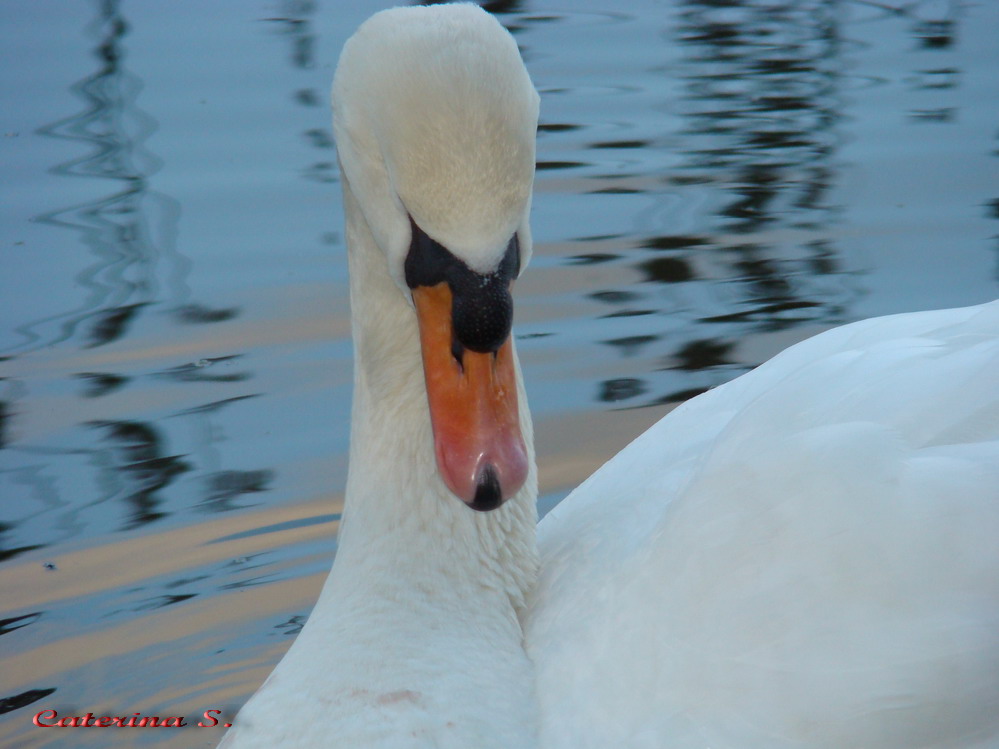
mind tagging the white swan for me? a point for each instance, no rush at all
(805, 557)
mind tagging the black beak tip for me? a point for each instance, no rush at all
(488, 495)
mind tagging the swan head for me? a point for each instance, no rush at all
(435, 119)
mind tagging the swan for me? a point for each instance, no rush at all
(807, 556)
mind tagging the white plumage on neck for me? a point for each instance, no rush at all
(416, 633)
(416, 638)
(396, 499)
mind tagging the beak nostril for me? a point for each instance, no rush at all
(458, 352)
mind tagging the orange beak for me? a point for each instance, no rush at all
(473, 408)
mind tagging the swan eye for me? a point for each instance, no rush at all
(481, 305)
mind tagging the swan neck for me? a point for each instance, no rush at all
(398, 514)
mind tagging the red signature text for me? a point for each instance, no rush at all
(51, 719)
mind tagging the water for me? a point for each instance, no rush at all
(716, 181)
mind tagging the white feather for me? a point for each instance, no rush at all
(804, 557)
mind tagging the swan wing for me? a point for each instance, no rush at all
(807, 556)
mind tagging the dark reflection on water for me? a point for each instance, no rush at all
(754, 132)
(296, 24)
(935, 33)
(198, 371)
(139, 452)
(133, 424)
(137, 469)
(293, 626)
(200, 314)
(101, 383)
(7, 704)
(117, 227)
(160, 602)
(621, 388)
(759, 113)
(695, 213)
(131, 231)
(223, 487)
(757, 96)
(499, 7)
(9, 552)
(16, 622)
(4, 418)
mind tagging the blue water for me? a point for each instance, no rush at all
(715, 182)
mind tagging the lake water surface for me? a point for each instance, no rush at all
(716, 181)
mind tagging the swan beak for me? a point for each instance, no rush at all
(473, 408)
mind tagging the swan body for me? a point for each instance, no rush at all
(803, 557)
(808, 556)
